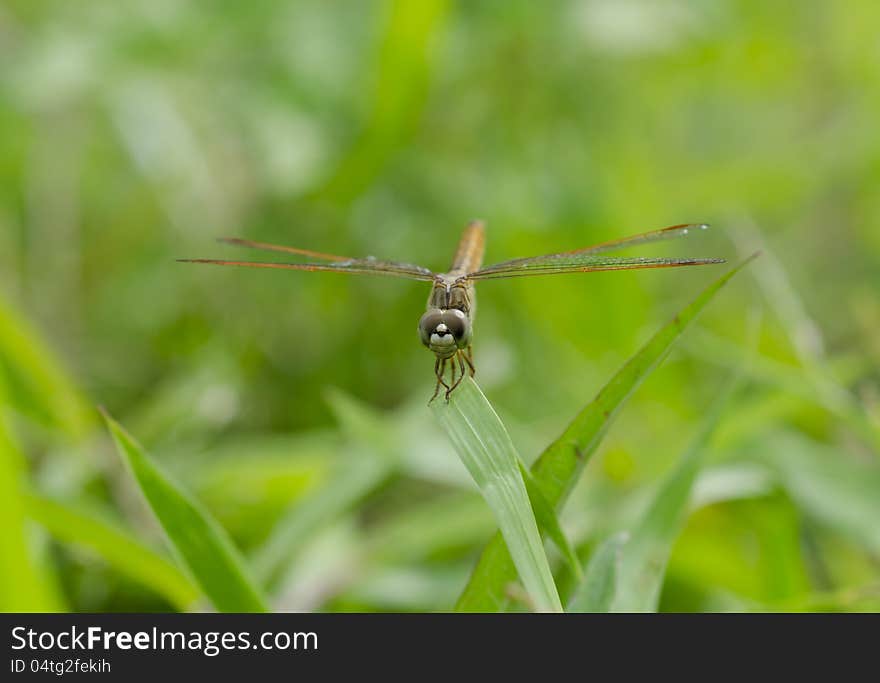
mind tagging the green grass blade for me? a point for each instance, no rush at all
(596, 591)
(403, 70)
(199, 541)
(485, 447)
(839, 491)
(561, 463)
(42, 385)
(115, 546)
(548, 522)
(806, 338)
(413, 534)
(350, 483)
(356, 476)
(643, 559)
(24, 585)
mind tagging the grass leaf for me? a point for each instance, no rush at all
(359, 473)
(806, 337)
(350, 483)
(561, 463)
(24, 582)
(839, 491)
(548, 522)
(78, 527)
(414, 534)
(596, 591)
(200, 542)
(41, 384)
(643, 559)
(485, 447)
(403, 69)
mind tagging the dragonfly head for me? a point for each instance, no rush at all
(445, 331)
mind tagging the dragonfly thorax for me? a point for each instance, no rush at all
(445, 331)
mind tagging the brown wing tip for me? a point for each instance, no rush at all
(477, 223)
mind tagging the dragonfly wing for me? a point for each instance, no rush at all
(265, 246)
(672, 232)
(580, 263)
(365, 266)
(340, 264)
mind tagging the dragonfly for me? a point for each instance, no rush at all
(446, 328)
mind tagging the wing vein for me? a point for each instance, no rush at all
(588, 258)
(585, 263)
(354, 266)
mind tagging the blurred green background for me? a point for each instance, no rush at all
(293, 404)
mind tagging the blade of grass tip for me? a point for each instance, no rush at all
(487, 452)
(805, 336)
(804, 333)
(560, 465)
(643, 559)
(198, 540)
(72, 525)
(596, 592)
(548, 522)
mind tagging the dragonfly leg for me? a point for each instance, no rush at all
(455, 383)
(439, 371)
(469, 358)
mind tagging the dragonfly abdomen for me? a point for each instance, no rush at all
(469, 254)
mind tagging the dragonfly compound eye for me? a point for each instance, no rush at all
(456, 323)
(428, 325)
(443, 331)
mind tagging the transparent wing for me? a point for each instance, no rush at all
(583, 263)
(265, 246)
(365, 266)
(589, 259)
(338, 264)
(645, 238)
